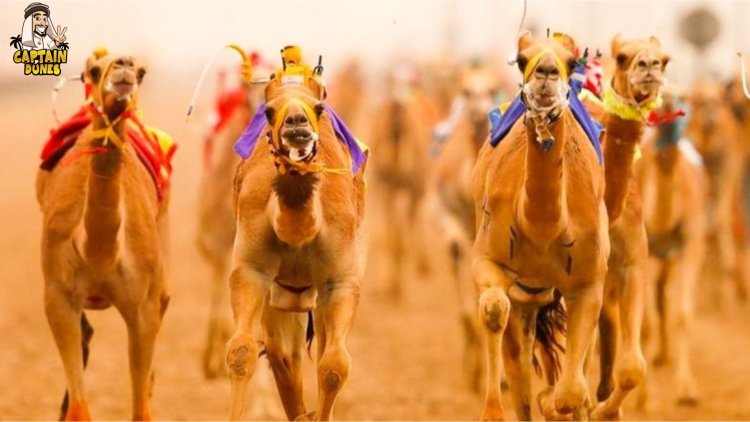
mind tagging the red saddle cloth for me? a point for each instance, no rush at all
(226, 104)
(156, 156)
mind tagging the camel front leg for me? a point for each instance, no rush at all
(584, 306)
(248, 291)
(630, 366)
(608, 332)
(64, 318)
(683, 288)
(337, 305)
(494, 309)
(518, 350)
(143, 324)
(219, 323)
(472, 355)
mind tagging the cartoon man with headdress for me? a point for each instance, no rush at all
(38, 32)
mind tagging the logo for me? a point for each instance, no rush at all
(41, 47)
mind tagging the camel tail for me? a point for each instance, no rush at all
(87, 331)
(550, 334)
(310, 333)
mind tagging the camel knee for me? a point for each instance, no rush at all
(630, 371)
(494, 308)
(242, 356)
(333, 369)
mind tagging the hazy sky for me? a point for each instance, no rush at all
(184, 34)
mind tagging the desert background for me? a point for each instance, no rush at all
(405, 356)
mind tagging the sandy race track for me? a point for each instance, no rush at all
(406, 357)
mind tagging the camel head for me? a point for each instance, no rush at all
(480, 86)
(546, 66)
(293, 114)
(706, 105)
(639, 72)
(116, 80)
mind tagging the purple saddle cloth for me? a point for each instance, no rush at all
(249, 138)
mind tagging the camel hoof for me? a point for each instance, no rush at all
(600, 414)
(687, 401)
(545, 401)
(309, 416)
(492, 412)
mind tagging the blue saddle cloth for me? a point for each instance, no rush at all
(502, 123)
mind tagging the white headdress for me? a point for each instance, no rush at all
(27, 32)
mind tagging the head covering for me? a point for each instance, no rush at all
(35, 7)
(27, 32)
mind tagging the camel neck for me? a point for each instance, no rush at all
(298, 217)
(621, 139)
(102, 216)
(542, 207)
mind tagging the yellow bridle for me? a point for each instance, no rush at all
(109, 133)
(285, 165)
(534, 62)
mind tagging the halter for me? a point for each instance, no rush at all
(281, 160)
(543, 118)
(108, 133)
(626, 108)
(534, 62)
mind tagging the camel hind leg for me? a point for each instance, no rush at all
(285, 346)
(518, 349)
(87, 332)
(630, 365)
(219, 324)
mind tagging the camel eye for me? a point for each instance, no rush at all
(655, 63)
(641, 63)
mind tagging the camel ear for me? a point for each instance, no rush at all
(665, 61)
(319, 109)
(568, 42)
(140, 73)
(622, 60)
(96, 73)
(525, 41)
(522, 61)
(270, 115)
(654, 41)
(616, 44)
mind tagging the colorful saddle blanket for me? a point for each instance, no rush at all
(153, 147)
(504, 117)
(502, 122)
(249, 138)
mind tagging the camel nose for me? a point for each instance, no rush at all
(296, 119)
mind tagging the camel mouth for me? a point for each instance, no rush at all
(300, 144)
(299, 138)
(123, 88)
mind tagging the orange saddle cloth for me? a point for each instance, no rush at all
(153, 147)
